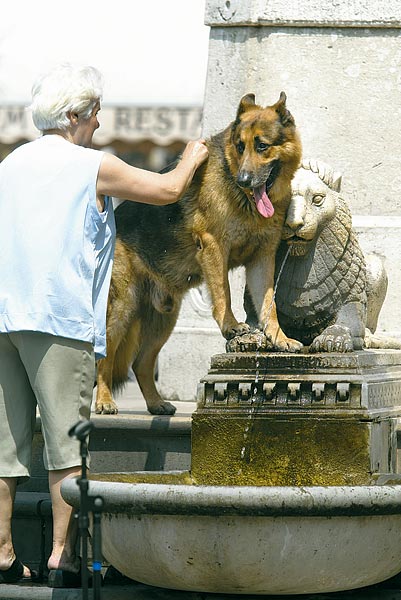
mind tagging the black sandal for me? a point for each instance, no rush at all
(15, 573)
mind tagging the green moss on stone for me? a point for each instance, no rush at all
(236, 450)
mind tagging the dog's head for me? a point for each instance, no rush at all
(264, 152)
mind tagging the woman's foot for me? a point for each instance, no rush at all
(64, 563)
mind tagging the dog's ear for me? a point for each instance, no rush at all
(247, 101)
(286, 117)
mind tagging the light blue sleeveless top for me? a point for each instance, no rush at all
(56, 249)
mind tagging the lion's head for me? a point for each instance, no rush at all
(314, 204)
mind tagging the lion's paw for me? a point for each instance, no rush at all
(333, 339)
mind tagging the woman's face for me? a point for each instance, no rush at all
(86, 128)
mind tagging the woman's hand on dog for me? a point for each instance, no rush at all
(196, 151)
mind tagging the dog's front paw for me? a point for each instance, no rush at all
(333, 339)
(236, 330)
(106, 407)
(289, 345)
(164, 408)
(282, 343)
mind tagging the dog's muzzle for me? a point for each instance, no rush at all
(259, 193)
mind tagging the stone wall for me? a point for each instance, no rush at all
(339, 63)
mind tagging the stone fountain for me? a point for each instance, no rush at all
(295, 482)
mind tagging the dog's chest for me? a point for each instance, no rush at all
(245, 242)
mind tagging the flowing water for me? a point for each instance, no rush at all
(257, 399)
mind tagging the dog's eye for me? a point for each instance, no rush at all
(240, 147)
(261, 146)
(318, 199)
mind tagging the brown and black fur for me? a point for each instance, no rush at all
(162, 251)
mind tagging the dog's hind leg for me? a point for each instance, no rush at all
(113, 370)
(155, 332)
(121, 308)
(104, 400)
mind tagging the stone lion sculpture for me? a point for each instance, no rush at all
(328, 294)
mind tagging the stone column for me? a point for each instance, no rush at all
(339, 63)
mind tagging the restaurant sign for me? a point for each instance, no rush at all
(162, 125)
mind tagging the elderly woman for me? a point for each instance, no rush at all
(57, 238)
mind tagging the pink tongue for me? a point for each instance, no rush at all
(262, 200)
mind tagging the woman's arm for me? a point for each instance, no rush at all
(117, 178)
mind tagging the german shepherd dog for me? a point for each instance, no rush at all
(231, 215)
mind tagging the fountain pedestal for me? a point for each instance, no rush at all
(309, 419)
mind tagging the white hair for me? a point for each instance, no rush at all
(65, 89)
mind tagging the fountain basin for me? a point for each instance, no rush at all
(163, 530)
